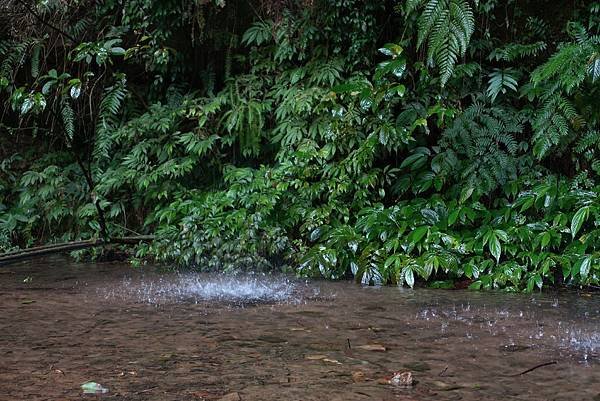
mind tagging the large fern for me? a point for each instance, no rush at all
(446, 27)
(68, 119)
(554, 122)
(107, 121)
(12, 56)
(485, 142)
(561, 77)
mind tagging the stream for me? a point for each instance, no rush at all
(150, 335)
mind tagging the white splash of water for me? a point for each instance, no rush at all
(196, 288)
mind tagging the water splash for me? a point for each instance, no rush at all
(199, 288)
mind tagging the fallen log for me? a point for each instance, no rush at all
(22, 254)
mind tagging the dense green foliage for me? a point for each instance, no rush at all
(434, 140)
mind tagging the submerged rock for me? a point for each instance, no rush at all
(230, 397)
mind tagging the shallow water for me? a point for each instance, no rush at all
(185, 336)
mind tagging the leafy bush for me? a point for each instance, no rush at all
(427, 140)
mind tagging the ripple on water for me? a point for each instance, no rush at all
(537, 325)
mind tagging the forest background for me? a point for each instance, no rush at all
(392, 141)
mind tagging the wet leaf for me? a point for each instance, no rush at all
(75, 91)
(445, 386)
(409, 276)
(376, 329)
(495, 247)
(585, 267)
(93, 388)
(402, 379)
(315, 357)
(372, 347)
(578, 219)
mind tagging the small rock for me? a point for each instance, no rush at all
(404, 379)
(230, 397)
(358, 376)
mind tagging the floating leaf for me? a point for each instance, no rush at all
(372, 347)
(93, 388)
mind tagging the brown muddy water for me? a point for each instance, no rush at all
(183, 336)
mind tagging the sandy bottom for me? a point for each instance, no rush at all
(147, 336)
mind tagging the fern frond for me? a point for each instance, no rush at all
(107, 121)
(515, 51)
(13, 56)
(35, 59)
(588, 141)
(573, 62)
(500, 81)
(446, 26)
(259, 33)
(68, 119)
(594, 66)
(553, 123)
(484, 141)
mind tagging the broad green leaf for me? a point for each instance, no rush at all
(75, 91)
(545, 239)
(117, 51)
(495, 247)
(391, 49)
(578, 219)
(418, 234)
(27, 105)
(584, 269)
(409, 277)
(412, 159)
(466, 194)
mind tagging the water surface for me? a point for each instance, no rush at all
(185, 336)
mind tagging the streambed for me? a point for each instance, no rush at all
(146, 335)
